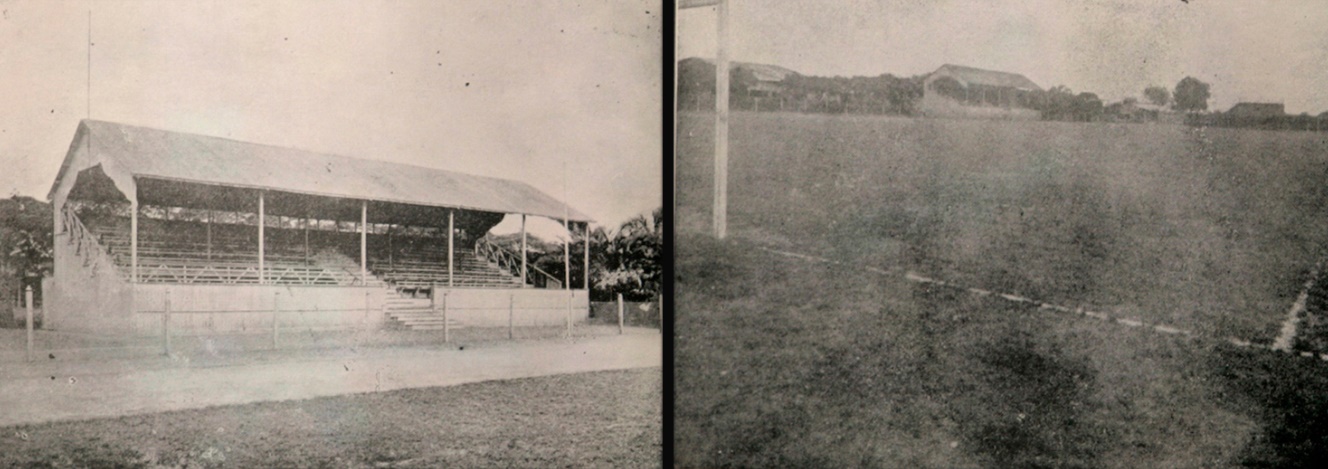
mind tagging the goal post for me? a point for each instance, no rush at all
(720, 210)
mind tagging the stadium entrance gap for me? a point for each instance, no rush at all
(226, 232)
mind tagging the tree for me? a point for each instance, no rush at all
(1191, 95)
(25, 245)
(1087, 107)
(628, 260)
(1158, 95)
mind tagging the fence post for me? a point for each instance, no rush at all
(620, 314)
(27, 298)
(568, 315)
(447, 328)
(511, 316)
(276, 321)
(364, 323)
(166, 323)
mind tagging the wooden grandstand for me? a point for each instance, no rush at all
(148, 220)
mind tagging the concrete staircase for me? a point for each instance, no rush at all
(414, 314)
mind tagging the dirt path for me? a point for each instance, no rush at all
(43, 393)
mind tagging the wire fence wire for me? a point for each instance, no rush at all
(267, 334)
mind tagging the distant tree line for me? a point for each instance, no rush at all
(883, 94)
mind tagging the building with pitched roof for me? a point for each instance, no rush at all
(959, 91)
(229, 234)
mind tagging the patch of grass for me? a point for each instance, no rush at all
(786, 363)
(1282, 394)
(1206, 229)
(604, 419)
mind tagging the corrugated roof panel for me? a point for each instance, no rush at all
(213, 160)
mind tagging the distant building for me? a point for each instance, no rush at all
(959, 91)
(766, 82)
(1134, 110)
(1256, 110)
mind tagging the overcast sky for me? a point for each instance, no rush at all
(1247, 50)
(505, 88)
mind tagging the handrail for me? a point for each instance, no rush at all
(506, 259)
(86, 243)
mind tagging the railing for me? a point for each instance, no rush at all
(85, 243)
(512, 263)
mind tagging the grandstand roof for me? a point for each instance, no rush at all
(977, 76)
(190, 158)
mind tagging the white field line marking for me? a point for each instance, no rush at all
(1287, 335)
(1165, 329)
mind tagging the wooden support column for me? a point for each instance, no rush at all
(209, 234)
(567, 258)
(306, 239)
(261, 222)
(523, 249)
(587, 271)
(450, 241)
(364, 241)
(133, 241)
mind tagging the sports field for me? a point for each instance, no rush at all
(786, 362)
(1210, 230)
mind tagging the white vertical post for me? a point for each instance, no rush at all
(364, 242)
(27, 298)
(523, 250)
(133, 241)
(587, 261)
(450, 236)
(511, 316)
(276, 320)
(447, 328)
(261, 222)
(567, 272)
(567, 259)
(722, 122)
(209, 234)
(620, 314)
(166, 323)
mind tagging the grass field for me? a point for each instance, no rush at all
(782, 362)
(1212, 230)
(606, 419)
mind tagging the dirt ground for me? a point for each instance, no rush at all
(600, 419)
(53, 390)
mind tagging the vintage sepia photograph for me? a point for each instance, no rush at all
(1002, 234)
(331, 234)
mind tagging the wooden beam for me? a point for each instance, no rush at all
(523, 249)
(364, 241)
(567, 260)
(133, 241)
(450, 236)
(261, 222)
(587, 255)
(209, 234)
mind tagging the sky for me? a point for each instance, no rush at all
(1275, 51)
(562, 95)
